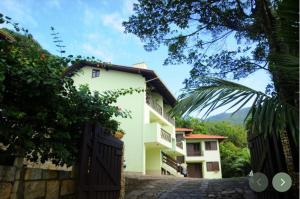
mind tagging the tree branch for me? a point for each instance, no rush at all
(188, 35)
(214, 40)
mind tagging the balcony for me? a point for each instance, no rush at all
(194, 153)
(169, 118)
(156, 136)
(165, 135)
(178, 148)
(159, 109)
(194, 156)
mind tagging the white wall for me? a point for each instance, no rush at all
(208, 156)
(133, 127)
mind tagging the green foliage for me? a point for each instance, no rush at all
(42, 114)
(189, 28)
(268, 113)
(264, 30)
(235, 156)
(235, 133)
(235, 160)
(267, 38)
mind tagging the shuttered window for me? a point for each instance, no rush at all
(211, 145)
(212, 166)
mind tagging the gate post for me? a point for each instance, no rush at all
(122, 191)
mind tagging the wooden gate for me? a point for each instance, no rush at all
(100, 164)
(267, 157)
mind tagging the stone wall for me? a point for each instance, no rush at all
(33, 183)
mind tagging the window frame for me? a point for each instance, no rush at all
(208, 146)
(213, 166)
(194, 152)
(95, 73)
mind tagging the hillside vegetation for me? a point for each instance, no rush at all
(237, 118)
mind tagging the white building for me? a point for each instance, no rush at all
(202, 154)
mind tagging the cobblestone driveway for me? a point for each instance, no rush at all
(145, 187)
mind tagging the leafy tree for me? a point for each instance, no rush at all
(267, 39)
(235, 160)
(189, 28)
(42, 114)
(235, 133)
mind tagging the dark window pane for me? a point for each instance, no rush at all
(180, 159)
(95, 73)
(212, 166)
(179, 137)
(211, 145)
(193, 149)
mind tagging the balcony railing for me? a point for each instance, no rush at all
(194, 153)
(179, 144)
(154, 105)
(165, 135)
(159, 109)
(171, 162)
(169, 118)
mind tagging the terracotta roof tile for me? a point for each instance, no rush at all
(203, 136)
(184, 129)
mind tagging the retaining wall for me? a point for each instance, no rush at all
(33, 183)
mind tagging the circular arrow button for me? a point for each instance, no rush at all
(258, 182)
(282, 182)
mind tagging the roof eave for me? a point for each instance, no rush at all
(147, 73)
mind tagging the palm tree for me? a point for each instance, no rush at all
(270, 113)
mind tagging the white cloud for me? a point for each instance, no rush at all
(114, 21)
(19, 11)
(127, 8)
(97, 52)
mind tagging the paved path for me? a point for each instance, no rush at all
(146, 187)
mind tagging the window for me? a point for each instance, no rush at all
(180, 159)
(193, 149)
(211, 145)
(179, 137)
(95, 73)
(212, 166)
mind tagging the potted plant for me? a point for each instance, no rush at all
(119, 134)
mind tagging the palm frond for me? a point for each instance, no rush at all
(268, 113)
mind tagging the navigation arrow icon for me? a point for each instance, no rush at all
(258, 182)
(282, 182)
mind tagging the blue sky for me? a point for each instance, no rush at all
(93, 28)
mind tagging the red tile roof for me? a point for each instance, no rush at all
(203, 136)
(184, 129)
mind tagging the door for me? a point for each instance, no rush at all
(194, 170)
(100, 164)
